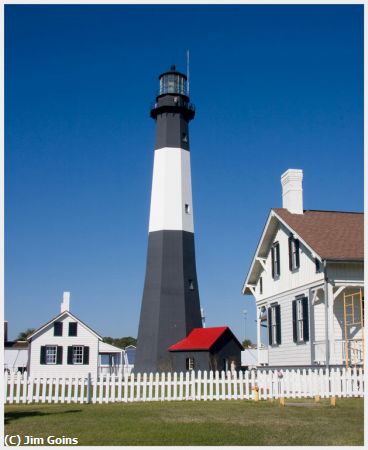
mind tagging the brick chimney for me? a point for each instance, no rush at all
(292, 190)
(65, 302)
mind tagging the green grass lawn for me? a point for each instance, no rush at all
(234, 422)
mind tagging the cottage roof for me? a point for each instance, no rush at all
(58, 317)
(202, 339)
(333, 235)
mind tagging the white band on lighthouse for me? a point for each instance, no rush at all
(171, 198)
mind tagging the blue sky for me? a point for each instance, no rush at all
(274, 87)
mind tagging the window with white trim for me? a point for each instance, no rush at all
(274, 325)
(51, 354)
(299, 319)
(77, 354)
(294, 258)
(275, 259)
(300, 309)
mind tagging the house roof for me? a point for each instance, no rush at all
(59, 316)
(201, 339)
(104, 347)
(16, 344)
(333, 235)
(330, 235)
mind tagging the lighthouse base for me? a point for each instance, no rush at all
(170, 305)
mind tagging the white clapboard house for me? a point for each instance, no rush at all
(307, 278)
(66, 347)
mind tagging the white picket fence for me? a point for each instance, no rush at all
(187, 386)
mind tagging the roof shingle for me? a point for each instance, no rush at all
(331, 234)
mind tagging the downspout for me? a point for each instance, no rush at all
(326, 315)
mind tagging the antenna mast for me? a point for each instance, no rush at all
(188, 73)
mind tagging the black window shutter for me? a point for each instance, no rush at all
(278, 324)
(73, 326)
(273, 261)
(59, 355)
(297, 253)
(278, 259)
(43, 355)
(58, 328)
(295, 337)
(70, 355)
(269, 326)
(290, 253)
(86, 355)
(305, 320)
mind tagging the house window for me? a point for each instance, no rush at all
(51, 354)
(275, 257)
(78, 354)
(300, 320)
(261, 285)
(294, 260)
(58, 328)
(274, 325)
(189, 363)
(73, 328)
(318, 265)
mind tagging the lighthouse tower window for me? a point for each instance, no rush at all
(191, 285)
(187, 209)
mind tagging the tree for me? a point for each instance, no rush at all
(247, 343)
(120, 342)
(22, 336)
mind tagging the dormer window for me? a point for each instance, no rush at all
(294, 260)
(275, 260)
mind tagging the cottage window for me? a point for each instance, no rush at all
(300, 320)
(294, 260)
(51, 354)
(73, 328)
(78, 354)
(189, 362)
(274, 325)
(275, 260)
(58, 328)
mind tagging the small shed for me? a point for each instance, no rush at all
(214, 348)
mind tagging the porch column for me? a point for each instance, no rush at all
(258, 335)
(330, 330)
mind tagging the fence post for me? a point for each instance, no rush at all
(89, 387)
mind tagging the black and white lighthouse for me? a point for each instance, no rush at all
(170, 305)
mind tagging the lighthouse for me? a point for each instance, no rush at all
(170, 305)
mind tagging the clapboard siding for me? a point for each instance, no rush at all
(346, 271)
(289, 352)
(46, 337)
(287, 280)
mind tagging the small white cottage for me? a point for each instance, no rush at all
(66, 347)
(307, 278)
